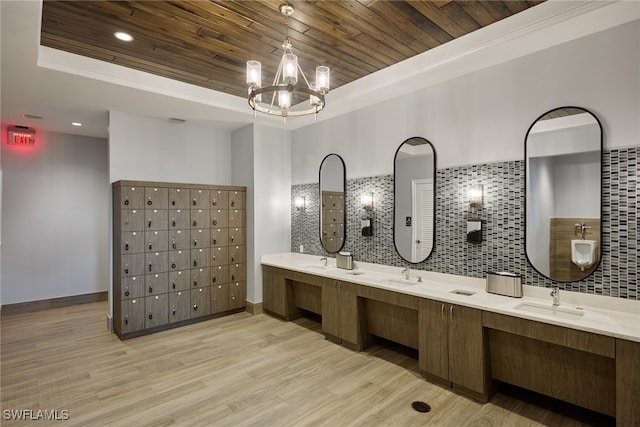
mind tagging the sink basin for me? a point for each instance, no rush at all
(317, 267)
(355, 273)
(402, 283)
(548, 310)
(463, 292)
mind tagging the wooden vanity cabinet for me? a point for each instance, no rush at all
(451, 347)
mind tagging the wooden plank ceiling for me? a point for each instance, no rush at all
(207, 43)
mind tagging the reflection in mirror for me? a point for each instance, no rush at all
(332, 198)
(414, 199)
(563, 173)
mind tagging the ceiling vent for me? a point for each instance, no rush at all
(32, 116)
(176, 120)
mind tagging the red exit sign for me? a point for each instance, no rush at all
(21, 136)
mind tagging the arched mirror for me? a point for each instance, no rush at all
(563, 176)
(414, 199)
(333, 217)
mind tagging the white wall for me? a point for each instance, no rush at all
(262, 161)
(55, 218)
(147, 149)
(483, 117)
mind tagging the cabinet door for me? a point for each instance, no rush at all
(219, 237)
(200, 277)
(179, 306)
(274, 295)
(132, 315)
(237, 295)
(199, 239)
(219, 274)
(331, 307)
(179, 219)
(434, 337)
(237, 254)
(200, 304)
(132, 220)
(179, 260)
(132, 242)
(132, 287)
(200, 258)
(131, 197)
(179, 280)
(156, 198)
(219, 199)
(237, 236)
(199, 199)
(466, 349)
(157, 310)
(237, 199)
(237, 272)
(179, 240)
(156, 262)
(156, 283)
(200, 218)
(132, 265)
(220, 218)
(237, 218)
(220, 255)
(155, 219)
(178, 198)
(219, 298)
(156, 241)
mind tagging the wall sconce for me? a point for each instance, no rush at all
(475, 196)
(300, 203)
(366, 199)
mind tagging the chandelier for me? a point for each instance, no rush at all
(285, 97)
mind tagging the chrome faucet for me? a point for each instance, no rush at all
(555, 293)
(407, 272)
(324, 258)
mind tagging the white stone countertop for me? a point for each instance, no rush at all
(615, 317)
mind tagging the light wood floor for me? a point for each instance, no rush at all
(239, 370)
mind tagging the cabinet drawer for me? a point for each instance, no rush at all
(156, 310)
(132, 220)
(199, 199)
(156, 198)
(200, 277)
(220, 255)
(132, 315)
(237, 218)
(220, 298)
(200, 218)
(237, 254)
(200, 302)
(220, 218)
(156, 262)
(156, 241)
(219, 274)
(179, 219)
(179, 239)
(132, 265)
(237, 295)
(156, 284)
(199, 239)
(237, 272)
(179, 280)
(132, 242)
(131, 197)
(178, 198)
(237, 236)
(219, 199)
(200, 257)
(179, 306)
(132, 287)
(237, 199)
(155, 219)
(179, 260)
(219, 237)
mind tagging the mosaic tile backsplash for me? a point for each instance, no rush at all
(502, 214)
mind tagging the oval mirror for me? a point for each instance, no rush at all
(563, 175)
(414, 169)
(332, 197)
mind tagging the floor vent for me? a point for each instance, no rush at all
(421, 406)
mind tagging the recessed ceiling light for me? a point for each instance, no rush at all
(123, 36)
(76, 124)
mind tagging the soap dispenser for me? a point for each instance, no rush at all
(366, 224)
